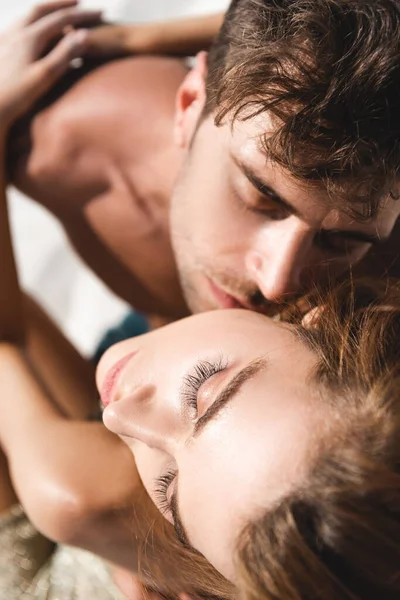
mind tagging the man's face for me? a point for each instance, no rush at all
(246, 233)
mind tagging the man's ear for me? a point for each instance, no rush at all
(190, 101)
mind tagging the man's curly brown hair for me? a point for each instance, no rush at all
(328, 73)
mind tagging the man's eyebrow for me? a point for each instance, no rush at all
(264, 188)
(228, 392)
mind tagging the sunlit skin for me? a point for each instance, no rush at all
(234, 466)
(174, 213)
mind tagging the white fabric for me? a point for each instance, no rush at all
(48, 269)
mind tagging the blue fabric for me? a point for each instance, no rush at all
(132, 325)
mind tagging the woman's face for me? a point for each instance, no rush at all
(218, 413)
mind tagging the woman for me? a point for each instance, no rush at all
(289, 486)
(273, 449)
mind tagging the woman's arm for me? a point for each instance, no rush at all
(69, 475)
(69, 379)
(183, 37)
(79, 485)
(77, 482)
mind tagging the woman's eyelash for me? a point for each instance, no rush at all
(161, 487)
(192, 382)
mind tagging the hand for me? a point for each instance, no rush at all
(27, 71)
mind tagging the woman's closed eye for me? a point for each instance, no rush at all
(192, 382)
(162, 488)
(166, 501)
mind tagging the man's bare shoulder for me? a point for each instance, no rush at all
(125, 99)
(118, 115)
(143, 73)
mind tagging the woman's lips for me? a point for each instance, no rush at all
(111, 378)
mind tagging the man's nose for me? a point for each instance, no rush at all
(278, 258)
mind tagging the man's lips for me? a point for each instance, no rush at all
(226, 300)
(111, 378)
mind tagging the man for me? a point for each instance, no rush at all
(268, 168)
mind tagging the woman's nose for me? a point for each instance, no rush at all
(142, 416)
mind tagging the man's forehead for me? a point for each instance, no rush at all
(249, 134)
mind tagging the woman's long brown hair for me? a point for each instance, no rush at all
(337, 537)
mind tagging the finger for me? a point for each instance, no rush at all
(53, 25)
(49, 69)
(41, 10)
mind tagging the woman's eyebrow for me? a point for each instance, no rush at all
(179, 528)
(228, 393)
